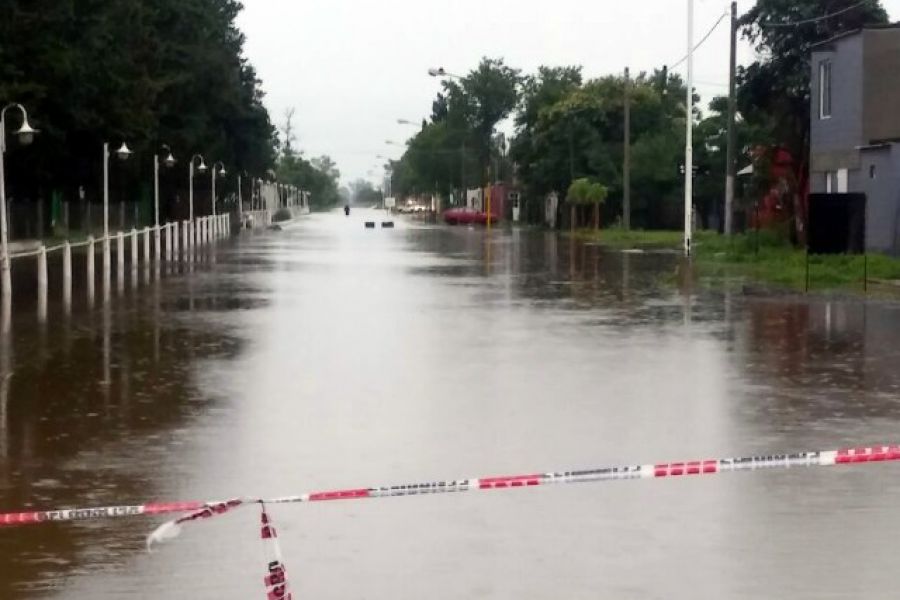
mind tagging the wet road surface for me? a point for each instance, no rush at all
(328, 356)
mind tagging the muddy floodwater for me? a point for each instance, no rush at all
(329, 356)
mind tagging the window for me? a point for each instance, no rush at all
(829, 182)
(872, 172)
(825, 89)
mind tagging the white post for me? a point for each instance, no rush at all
(120, 253)
(175, 238)
(42, 283)
(107, 258)
(135, 259)
(147, 258)
(185, 236)
(168, 242)
(67, 276)
(689, 146)
(90, 270)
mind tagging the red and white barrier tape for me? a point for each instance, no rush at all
(202, 510)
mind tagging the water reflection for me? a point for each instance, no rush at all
(327, 355)
(83, 404)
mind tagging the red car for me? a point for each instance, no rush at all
(467, 216)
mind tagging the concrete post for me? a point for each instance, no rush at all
(120, 255)
(168, 229)
(42, 283)
(67, 277)
(135, 259)
(90, 271)
(147, 257)
(185, 236)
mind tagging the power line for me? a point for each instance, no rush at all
(703, 41)
(813, 20)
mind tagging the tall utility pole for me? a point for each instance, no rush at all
(731, 166)
(689, 145)
(626, 166)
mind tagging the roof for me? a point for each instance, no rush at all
(852, 32)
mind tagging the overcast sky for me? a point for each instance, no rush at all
(351, 68)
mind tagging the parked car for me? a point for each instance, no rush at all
(467, 216)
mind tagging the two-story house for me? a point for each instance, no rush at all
(855, 129)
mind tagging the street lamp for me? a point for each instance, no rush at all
(25, 133)
(201, 168)
(123, 154)
(213, 174)
(440, 72)
(169, 162)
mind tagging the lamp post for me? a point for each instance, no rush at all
(213, 174)
(169, 162)
(201, 168)
(25, 133)
(123, 153)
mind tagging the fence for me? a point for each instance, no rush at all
(171, 242)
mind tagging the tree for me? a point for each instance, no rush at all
(169, 71)
(319, 176)
(492, 96)
(539, 92)
(567, 130)
(584, 192)
(363, 193)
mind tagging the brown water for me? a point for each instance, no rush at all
(329, 356)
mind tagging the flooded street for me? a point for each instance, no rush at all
(328, 356)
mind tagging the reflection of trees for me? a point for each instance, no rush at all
(77, 424)
(556, 271)
(821, 360)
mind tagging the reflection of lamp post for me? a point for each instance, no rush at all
(25, 133)
(168, 161)
(213, 174)
(123, 153)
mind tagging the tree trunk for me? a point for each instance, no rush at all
(597, 216)
(572, 216)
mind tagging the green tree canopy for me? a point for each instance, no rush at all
(168, 71)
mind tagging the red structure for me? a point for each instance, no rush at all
(788, 191)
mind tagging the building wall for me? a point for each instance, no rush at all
(833, 141)
(881, 87)
(882, 197)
